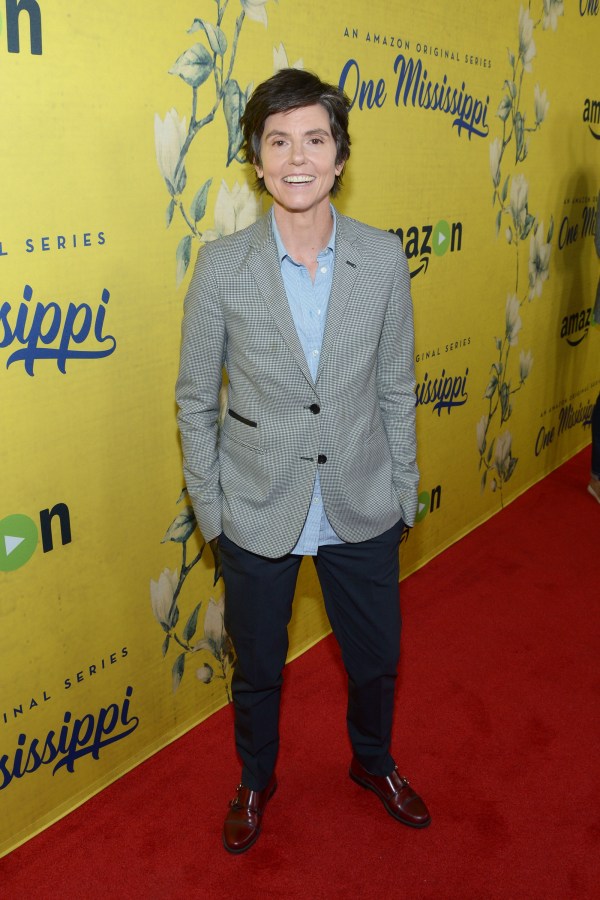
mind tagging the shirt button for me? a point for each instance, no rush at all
(317, 500)
(315, 353)
(315, 408)
(323, 269)
(321, 458)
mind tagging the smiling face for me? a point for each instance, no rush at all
(298, 154)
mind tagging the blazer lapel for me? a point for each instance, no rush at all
(347, 263)
(265, 266)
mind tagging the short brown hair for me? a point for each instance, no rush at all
(292, 89)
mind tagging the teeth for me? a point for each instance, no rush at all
(299, 179)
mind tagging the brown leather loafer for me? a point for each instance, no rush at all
(242, 824)
(396, 794)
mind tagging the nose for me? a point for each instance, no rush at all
(297, 152)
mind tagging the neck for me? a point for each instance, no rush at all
(304, 234)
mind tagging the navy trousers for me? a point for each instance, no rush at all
(360, 588)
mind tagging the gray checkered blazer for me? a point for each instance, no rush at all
(253, 477)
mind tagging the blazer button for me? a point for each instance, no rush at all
(315, 408)
(321, 458)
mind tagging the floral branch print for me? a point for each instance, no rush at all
(211, 59)
(523, 231)
(165, 595)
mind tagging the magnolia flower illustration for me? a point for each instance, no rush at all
(552, 10)
(513, 319)
(255, 9)
(495, 157)
(526, 42)
(504, 462)
(161, 596)
(518, 202)
(541, 105)
(539, 261)
(207, 67)
(165, 596)
(234, 209)
(216, 641)
(215, 635)
(511, 194)
(205, 673)
(525, 364)
(503, 113)
(482, 426)
(169, 138)
(280, 60)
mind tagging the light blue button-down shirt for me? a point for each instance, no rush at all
(308, 304)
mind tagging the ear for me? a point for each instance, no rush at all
(340, 168)
(259, 170)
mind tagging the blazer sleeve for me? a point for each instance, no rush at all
(396, 388)
(203, 347)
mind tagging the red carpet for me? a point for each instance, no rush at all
(497, 726)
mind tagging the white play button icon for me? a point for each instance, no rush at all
(18, 540)
(11, 543)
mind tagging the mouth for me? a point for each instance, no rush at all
(299, 179)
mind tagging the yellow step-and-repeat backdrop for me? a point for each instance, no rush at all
(475, 138)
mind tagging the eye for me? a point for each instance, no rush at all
(316, 140)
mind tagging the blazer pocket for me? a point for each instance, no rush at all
(241, 431)
(241, 419)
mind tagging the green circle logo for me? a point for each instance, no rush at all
(18, 540)
(441, 237)
(423, 506)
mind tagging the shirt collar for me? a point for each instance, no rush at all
(282, 252)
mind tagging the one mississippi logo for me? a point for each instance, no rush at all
(45, 331)
(19, 535)
(420, 242)
(444, 392)
(74, 739)
(414, 87)
(570, 232)
(15, 17)
(591, 116)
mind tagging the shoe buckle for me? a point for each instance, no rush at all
(404, 781)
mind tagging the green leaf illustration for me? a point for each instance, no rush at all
(498, 221)
(192, 623)
(519, 134)
(216, 37)
(182, 527)
(177, 671)
(505, 188)
(169, 212)
(491, 388)
(550, 230)
(511, 468)
(198, 207)
(183, 253)
(194, 66)
(165, 645)
(528, 225)
(234, 104)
